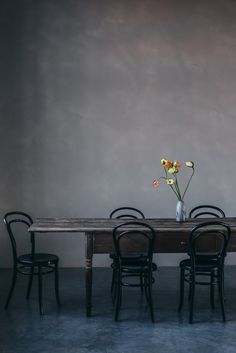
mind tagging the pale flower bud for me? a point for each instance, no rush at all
(155, 183)
(189, 164)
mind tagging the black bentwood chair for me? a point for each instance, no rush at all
(123, 213)
(207, 248)
(134, 243)
(206, 211)
(32, 263)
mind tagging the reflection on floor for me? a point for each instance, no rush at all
(68, 330)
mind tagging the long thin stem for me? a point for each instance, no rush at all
(177, 187)
(176, 193)
(188, 183)
(165, 171)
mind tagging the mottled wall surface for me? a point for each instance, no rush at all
(94, 93)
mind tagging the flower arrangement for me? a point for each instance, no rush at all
(173, 167)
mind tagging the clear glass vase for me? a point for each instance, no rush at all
(180, 211)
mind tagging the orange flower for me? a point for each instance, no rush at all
(166, 163)
(155, 183)
(177, 164)
(163, 161)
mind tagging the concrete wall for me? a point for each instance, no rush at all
(94, 93)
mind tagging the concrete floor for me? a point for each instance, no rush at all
(68, 330)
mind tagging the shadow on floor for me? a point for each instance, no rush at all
(68, 330)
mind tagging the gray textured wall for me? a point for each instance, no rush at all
(94, 93)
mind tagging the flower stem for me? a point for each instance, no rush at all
(175, 191)
(188, 183)
(172, 187)
(177, 188)
(165, 171)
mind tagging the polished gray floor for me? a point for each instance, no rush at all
(68, 330)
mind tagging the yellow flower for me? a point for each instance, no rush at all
(173, 170)
(169, 181)
(189, 164)
(164, 161)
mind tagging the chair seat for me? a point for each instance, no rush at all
(202, 265)
(39, 259)
(132, 263)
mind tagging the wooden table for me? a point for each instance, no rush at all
(171, 237)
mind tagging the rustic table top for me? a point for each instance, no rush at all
(44, 225)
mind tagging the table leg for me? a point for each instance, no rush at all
(89, 271)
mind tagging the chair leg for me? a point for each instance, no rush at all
(150, 301)
(114, 284)
(146, 288)
(141, 282)
(30, 282)
(40, 290)
(223, 284)
(114, 293)
(14, 276)
(57, 285)
(192, 291)
(189, 286)
(181, 296)
(221, 292)
(118, 297)
(189, 290)
(212, 289)
(113, 280)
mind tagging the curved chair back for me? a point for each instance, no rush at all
(127, 213)
(206, 211)
(213, 250)
(18, 217)
(134, 238)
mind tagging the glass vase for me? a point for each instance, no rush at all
(180, 211)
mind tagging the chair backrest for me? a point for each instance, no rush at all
(20, 218)
(209, 240)
(127, 213)
(134, 238)
(206, 211)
